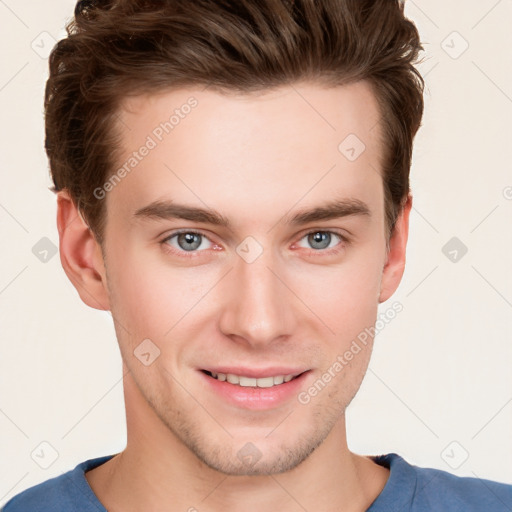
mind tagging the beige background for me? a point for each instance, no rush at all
(439, 387)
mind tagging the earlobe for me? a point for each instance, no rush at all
(395, 264)
(80, 254)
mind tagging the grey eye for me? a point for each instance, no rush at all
(189, 241)
(319, 239)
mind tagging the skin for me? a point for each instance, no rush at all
(254, 159)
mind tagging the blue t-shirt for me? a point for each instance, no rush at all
(409, 488)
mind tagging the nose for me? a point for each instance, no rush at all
(257, 305)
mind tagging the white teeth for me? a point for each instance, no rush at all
(247, 381)
(264, 382)
(232, 379)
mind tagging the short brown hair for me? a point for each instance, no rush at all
(116, 48)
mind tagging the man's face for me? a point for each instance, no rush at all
(261, 295)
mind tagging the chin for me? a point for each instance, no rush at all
(251, 461)
(274, 451)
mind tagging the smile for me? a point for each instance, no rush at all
(243, 381)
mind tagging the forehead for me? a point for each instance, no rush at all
(296, 143)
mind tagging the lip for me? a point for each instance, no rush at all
(272, 371)
(254, 398)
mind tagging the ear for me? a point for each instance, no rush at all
(80, 254)
(395, 264)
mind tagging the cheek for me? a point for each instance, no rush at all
(344, 297)
(150, 298)
(141, 297)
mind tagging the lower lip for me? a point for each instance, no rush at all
(256, 398)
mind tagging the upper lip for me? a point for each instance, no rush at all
(256, 373)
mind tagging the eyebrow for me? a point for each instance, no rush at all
(332, 210)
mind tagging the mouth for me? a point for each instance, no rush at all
(252, 382)
(255, 389)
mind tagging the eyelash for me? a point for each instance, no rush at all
(193, 254)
